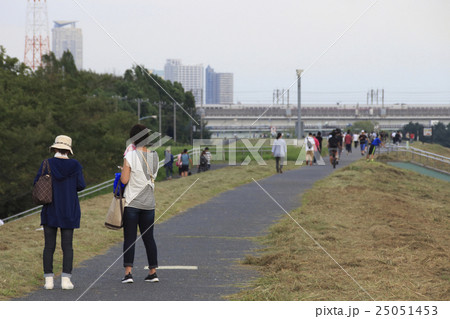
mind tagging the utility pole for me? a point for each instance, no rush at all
(382, 97)
(299, 103)
(139, 100)
(159, 116)
(174, 122)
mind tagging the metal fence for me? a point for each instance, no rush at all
(417, 156)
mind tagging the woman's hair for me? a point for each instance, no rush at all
(137, 135)
(63, 152)
(278, 135)
(185, 150)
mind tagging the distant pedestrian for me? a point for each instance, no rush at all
(203, 165)
(320, 139)
(185, 161)
(373, 147)
(348, 142)
(168, 162)
(279, 151)
(208, 157)
(355, 139)
(316, 148)
(64, 210)
(362, 142)
(140, 168)
(309, 147)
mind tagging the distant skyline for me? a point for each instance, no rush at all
(402, 46)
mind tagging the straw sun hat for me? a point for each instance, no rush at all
(63, 142)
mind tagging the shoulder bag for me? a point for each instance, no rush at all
(42, 190)
(114, 217)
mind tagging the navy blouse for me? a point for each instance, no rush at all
(67, 179)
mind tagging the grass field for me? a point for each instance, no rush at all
(21, 244)
(388, 228)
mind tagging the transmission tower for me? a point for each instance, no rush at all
(37, 42)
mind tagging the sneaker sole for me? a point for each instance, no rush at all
(152, 280)
(128, 281)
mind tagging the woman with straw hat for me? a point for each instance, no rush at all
(64, 210)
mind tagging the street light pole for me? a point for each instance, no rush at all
(299, 104)
(174, 122)
(160, 123)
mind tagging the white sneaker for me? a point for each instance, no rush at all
(66, 283)
(49, 283)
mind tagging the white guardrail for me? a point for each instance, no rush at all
(81, 194)
(421, 157)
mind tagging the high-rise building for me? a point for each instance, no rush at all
(219, 87)
(190, 76)
(66, 36)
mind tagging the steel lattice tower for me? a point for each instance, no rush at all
(37, 42)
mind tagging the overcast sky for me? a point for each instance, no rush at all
(402, 46)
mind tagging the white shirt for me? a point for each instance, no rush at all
(355, 137)
(311, 140)
(138, 181)
(279, 148)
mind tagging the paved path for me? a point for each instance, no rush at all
(214, 236)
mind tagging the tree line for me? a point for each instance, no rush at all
(440, 133)
(95, 110)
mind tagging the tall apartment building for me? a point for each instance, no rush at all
(190, 76)
(219, 87)
(66, 36)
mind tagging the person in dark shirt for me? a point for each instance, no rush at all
(333, 146)
(64, 210)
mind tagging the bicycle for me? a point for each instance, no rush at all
(333, 157)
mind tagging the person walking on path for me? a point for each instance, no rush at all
(168, 162)
(203, 165)
(279, 151)
(208, 157)
(320, 139)
(348, 142)
(355, 139)
(362, 142)
(309, 146)
(140, 168)
(185, 161)
(373, 147)
(316, 147)
(64, 210)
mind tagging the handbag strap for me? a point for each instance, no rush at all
(46, 165)
(148, 168)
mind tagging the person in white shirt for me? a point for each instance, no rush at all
(355, 139)
(279, 151)
(309, 146)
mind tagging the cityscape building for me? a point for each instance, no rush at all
(219, 87)
(66, 36)
(190, 76)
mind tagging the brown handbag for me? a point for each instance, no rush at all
(42, 190)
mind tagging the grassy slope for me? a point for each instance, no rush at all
(433, 148)
(388, 228)
(21, 245)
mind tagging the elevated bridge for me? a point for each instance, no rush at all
(239, 120)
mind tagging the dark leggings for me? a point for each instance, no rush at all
(50, 245)
(133, 217)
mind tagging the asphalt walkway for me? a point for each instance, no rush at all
(208, 240)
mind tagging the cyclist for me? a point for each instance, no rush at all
(333, 145)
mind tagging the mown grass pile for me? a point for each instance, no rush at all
(387, 227)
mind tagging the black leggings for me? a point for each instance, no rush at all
(50, 245)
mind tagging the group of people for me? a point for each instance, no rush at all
(184, 162)
(138, 173)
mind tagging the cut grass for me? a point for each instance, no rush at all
(21, 245)
(387, 227)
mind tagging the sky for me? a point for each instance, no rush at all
(346, 47)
